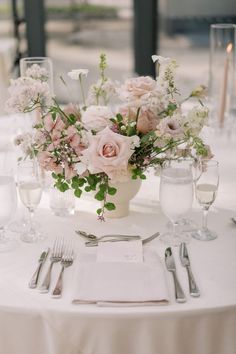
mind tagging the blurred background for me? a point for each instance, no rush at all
(74, 33)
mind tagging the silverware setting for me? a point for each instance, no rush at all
(61, 252)
(170, 265)
(35, 277)
(66, 261)
(184, 258)
(56, 256)
(93, 240)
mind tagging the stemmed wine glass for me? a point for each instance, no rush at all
(8, 202)
(30, 191)
(176, 197)
(206, 187)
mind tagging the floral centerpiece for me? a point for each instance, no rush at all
(94, 144)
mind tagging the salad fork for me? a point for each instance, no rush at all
(56, 256)
(66, 261)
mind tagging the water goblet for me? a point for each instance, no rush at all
(206, 187)
(8, 202)
(30, 191)
(176, 197)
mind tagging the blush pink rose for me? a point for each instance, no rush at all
(147, 121)
(108, 152)
(135, 88)
(170, 127)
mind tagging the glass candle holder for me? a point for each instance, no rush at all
(222, 75)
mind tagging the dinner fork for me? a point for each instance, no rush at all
(66, 261)
(56, 256)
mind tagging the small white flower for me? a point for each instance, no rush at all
(80, 168)
(76, 74)
(135, 141)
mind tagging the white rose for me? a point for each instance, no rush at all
(97, 118)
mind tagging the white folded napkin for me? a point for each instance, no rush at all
(120, 283)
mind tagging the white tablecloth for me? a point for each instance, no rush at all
(31, 322)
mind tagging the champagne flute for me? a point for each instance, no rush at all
(8, 202)
(176, 197)
(30, 191)
(206, 187)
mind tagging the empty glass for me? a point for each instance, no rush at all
(8, 202)
(176, 197)
(39, 68)
(30, 191)
(206, 187)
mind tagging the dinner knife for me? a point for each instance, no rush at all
(184, 258)
(170, 265)
(34, 280)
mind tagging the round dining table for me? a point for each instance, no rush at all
(36, 323)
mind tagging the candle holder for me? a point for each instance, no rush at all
(222, 76)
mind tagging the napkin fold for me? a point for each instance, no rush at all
(120, 283)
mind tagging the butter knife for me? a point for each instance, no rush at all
(184, 258)
(170, 265)
(118, 239)
(34, 280)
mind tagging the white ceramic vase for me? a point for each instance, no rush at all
(125, 192)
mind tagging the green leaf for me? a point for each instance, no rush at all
(102, 187)
(142, 176)
(87, 189)
(78, 192)
(99, 196)
(54, 115)
(54, 175)
(110, 206)
(71, 118)
(119, 117)
(99, 211)
(111, 190)
(92, 180)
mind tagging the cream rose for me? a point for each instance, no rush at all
(97, 118)
(135, 88)
(109, 152)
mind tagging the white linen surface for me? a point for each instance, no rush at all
(120, 283)
(34, 323)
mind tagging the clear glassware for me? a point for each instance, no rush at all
(222, 76)
(61, 204)
(30, 192)
(206, 187)
(39, 68)
(176, 197)
(8, 203)
(185, 224)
